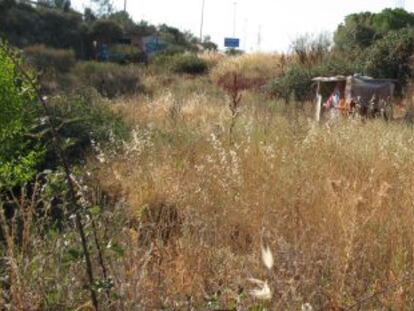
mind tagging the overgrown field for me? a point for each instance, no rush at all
(178, 213)
(333, 203)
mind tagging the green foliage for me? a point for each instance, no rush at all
(234, 52)
(58, 26)
(19, 155)
(209, 45)
(297, 82)
(83, 119)
(390, 56)
(49, 59)
(109, 79)
(123, 20)
(24, 25)
(106, 31)
(355, 33)
(361, 30)
(176, 39)
(189, 63)
(392, 19)
(126, 54)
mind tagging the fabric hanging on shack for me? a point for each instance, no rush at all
(335, 99)
(366, 90)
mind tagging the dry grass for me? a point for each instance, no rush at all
(253, 70)
(333, 203)
(189, 214)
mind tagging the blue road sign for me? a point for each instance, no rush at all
(231, 42)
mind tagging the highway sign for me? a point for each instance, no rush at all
(231, 42)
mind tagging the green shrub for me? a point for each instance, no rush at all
(390, 57)
(19, 153)
(126, 54)
(296, 83)
(48, 59)
(82, 119)
(109, 79)
(190, 64)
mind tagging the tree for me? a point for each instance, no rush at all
(106, 31)
(390, 57)
(123, 20)
(360, 31)
(392, 19)
(355, 33)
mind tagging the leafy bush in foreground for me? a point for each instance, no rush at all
(19, 154)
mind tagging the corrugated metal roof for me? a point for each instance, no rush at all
(330, 79)
(340, 78)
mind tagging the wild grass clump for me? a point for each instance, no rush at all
(46, 59)
(109, 79)
(251, 70)
(212, 58)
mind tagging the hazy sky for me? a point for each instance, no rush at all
(279, 22)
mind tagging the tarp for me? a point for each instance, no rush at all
(366, 89)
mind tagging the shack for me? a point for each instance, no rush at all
(351, 95)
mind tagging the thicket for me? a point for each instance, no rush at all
(109, 79)
(190, 64)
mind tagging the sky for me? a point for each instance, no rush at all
(261, 25)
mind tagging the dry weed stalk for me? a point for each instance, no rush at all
(17, 247)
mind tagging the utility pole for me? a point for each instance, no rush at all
(125, 6)
(234, 18)
(202, 20)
